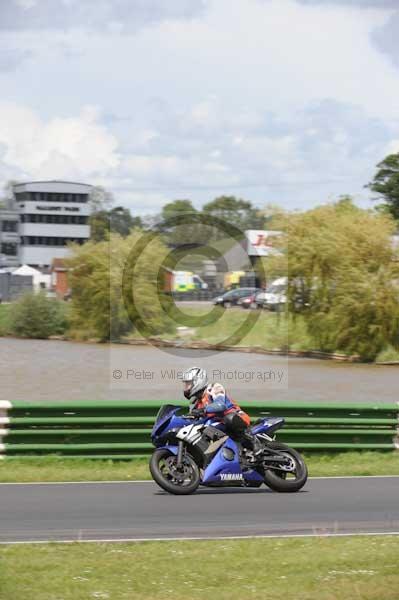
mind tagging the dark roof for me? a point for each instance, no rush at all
(52, 181)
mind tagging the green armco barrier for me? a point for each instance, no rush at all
(121, 430)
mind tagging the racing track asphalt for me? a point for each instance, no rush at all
(131, 511)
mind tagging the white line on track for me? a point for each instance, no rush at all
(150, 480)
(205, 538)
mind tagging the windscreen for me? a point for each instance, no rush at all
(165, 410)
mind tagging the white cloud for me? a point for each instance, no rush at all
(26, 4)
(393, 147)
(250, 97)
(60, 147)
(93, 14)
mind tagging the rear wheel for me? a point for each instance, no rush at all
(170, 477)
(286, 477)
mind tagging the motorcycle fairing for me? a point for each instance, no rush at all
(224, 472)
(268, 425)
(219, 465)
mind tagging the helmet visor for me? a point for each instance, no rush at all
(187, 385)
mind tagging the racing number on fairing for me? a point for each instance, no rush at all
(191, 434)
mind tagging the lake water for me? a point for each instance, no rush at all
(38, 370)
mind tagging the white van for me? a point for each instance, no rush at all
(275, 295)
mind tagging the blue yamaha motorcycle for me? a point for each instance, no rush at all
(191, 451)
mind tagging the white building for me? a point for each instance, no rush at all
(9, 238)
(40, 281)
(51, 215)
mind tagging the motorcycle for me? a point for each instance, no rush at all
(192, 451)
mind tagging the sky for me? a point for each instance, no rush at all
(291, 102)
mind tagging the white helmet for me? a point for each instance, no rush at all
(198, 379)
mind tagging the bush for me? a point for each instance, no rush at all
(36, 316)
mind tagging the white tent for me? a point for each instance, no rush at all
(40, 281)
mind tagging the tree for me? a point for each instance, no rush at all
(341, 271)
(177, 208)
(100, 202)
(103, 305)
(235, 211)
(117, 220)
(8, 194)
(99, 226)
(178, 223)
(100, 199)
(386, 183)
(274, 217)
(121, 221)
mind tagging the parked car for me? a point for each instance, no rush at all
(249, 301)
(275, 296)
(232, 297)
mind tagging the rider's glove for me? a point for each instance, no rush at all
(197, 413)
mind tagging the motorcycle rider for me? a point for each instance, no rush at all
(212, 400)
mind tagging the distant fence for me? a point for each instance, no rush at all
(121, 430)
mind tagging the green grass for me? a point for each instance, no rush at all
(260, 328)
(52, 468)
(388, 355)
(321, 568)
(371, 462)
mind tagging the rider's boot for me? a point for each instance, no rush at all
(251, 443)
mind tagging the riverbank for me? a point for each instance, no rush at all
(262, 333)
(53, 468)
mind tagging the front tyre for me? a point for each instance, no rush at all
(291, 480)
(171, 478)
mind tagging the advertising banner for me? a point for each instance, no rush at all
(260, 242)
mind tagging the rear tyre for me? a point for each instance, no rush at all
(287, 481)
(164, 471)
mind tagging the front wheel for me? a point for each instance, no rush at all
(286, 477)
(170, 477)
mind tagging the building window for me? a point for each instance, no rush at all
(59, 219)
(9, 248)
(49, 241)
(11, 226)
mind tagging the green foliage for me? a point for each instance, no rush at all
(180, 223)
(114, 287)
(235, 211)
(117, 220)
(386, 183)
(389, 354)
(176, 209)
(36, 316)
(342, 272)
(5, 319)
(274, 217)
(99, 225)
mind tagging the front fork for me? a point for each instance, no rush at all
(180, 454)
